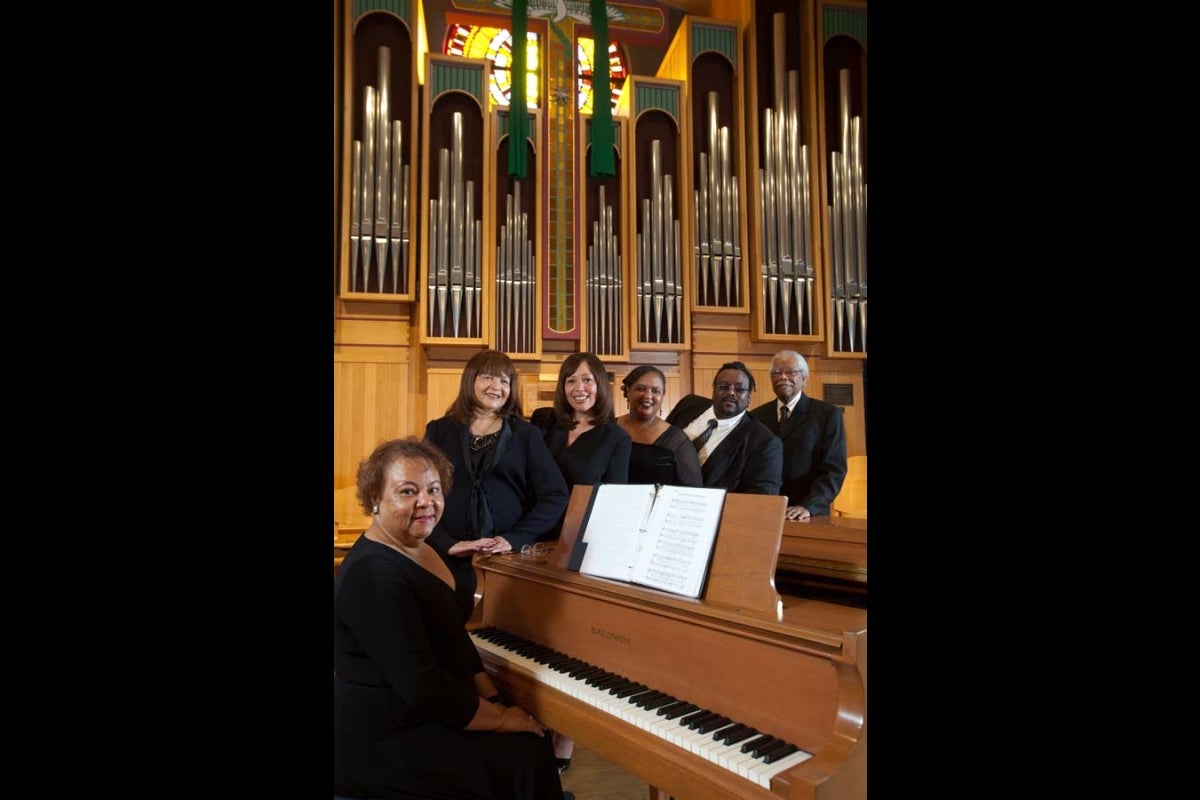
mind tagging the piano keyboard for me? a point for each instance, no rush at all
(738, 748)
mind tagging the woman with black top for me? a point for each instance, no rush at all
(661, 452)
(415, 714)
(580, 430)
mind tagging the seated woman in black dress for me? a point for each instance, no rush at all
(415, 715)
(662, 452)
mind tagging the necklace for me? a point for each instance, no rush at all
(485, 441)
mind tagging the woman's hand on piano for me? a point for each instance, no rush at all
(518, 720)
(489, 546)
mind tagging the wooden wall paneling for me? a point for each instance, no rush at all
(673, 389)
(442, 390)
(372, 381)
(383, 50)
(738, 10)
(370, 404)
(824, 371)
(347, 513)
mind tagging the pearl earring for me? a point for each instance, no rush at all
(375, 509)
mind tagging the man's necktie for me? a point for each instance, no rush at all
(783, 416)
(704, 434)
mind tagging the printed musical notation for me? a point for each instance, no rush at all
(656, 536)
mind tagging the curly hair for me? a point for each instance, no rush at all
(372, 470)
(740, 367)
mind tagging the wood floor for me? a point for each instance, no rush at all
(592, 778)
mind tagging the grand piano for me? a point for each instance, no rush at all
(739, 695)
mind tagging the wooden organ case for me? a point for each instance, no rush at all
(794, 669)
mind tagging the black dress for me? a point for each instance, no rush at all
(671, 460)
(403, 690)
(599, 455)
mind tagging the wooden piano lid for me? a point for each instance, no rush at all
(741, 575)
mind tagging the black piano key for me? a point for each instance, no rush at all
(775, 755)
(541, 654)
(766, 746)
(686, 708)
(630, 691)
(672, 706)
(774, 750)
(616, 680)
(694, 721)
(661, 701)
(733, 736)
(504, 639)
(735, 728)
(605, 681)
(617, 686)
(714, 724)
(583, 672)
(536, 652)
(755, 743)
(647, 697)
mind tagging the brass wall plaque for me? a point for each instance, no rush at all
(840, 394)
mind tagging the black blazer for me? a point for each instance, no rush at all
(814, 451)
(749, 460)
(523, 496)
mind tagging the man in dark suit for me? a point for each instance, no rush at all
(737, 452)
(813, 434)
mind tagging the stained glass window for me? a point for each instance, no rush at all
(495, 44)
(616, 72)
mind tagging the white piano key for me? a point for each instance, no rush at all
(762, 774)
(704, 745)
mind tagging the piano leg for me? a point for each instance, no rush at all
(658, 794)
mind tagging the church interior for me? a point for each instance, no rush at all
(685, 186)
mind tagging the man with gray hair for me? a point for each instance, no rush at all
(813, 434)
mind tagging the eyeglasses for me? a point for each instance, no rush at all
(791, 373)
(539, 551)
(739, 390)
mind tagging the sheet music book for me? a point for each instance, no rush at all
(652, 535)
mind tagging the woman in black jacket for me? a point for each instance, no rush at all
(508, 492)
